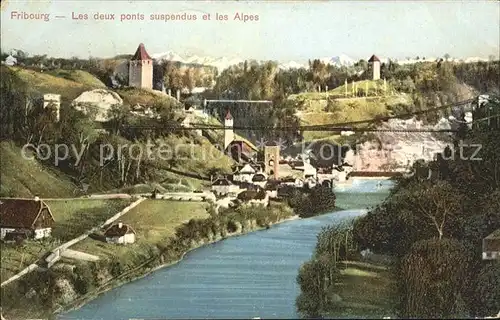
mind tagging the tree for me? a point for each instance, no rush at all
(487, 289)
(188, 79)
(436, 203)
(431, 280)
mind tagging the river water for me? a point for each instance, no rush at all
(253, 275)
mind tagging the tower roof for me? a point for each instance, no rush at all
(228, 115)
(374, 58)
(141, 53)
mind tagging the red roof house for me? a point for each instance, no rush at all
(25, 218)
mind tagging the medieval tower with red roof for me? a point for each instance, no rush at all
(140, 74)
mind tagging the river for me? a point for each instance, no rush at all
(253, 275)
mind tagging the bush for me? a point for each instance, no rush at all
(431, 279)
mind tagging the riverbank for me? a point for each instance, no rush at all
(132, 277)
(116, 284)
(69, 284)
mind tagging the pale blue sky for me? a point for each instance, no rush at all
(285, 31)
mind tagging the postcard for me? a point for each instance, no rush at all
(249, 159)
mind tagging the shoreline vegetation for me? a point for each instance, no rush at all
(116, 283)
(428, 236)
(70, 284)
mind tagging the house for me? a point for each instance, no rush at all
(222, 186)
(244, 173)
(25, 218)
(120, 233)
(10, 61)
(491, 246)
(254, 197)
(260, 179)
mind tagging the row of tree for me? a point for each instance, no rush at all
(433, 224)
(435, 228)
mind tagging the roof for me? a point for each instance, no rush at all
(247, 168)
(258, 194)
(494, 235)
(141, 53)
(221, 182)
(374, 58)
(259, 177)
(116, 231)
(20, 213)
(228, 115)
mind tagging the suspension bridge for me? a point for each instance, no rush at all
(332, 127)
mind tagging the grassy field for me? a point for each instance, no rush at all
(26, 178)
(79, 76)
(366, 289)
(45, 82)
(318, 108)
(73, 218)
(133, 96)
(154, 221)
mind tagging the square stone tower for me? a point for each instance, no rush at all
(375, 64)
(140, 74)
(53, 100)
(272, 160)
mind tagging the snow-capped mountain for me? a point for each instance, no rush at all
(291, 65)
(220, 63)
(339, 61)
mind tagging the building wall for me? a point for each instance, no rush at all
(228, 133)
(55, 99)
(115, 239)
(491, 255)
(4, 231)
(141, 74)
(376, 70)
(43, 233)
(129, 238)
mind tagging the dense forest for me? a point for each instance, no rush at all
(432, 225)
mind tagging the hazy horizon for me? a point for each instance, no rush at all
(284, 31)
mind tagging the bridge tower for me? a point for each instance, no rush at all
(228, 129)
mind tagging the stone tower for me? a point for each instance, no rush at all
(140, 74)
(375, 66)
(272, 160)
(51, 99)
(228, 131)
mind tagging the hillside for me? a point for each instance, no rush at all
(69, 84)
(195, 158)
(318, 108)
(26, 178)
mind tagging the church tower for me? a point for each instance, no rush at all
(228, 129)
(140, 73)
(375, 66)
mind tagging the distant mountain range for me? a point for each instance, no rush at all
(222, 63)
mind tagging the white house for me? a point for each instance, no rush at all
(10, 61)
(25, 218)
(491, 246)
(309, 170)
(223, 186)
(244, 174)
(120, 233)
(259, 179)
